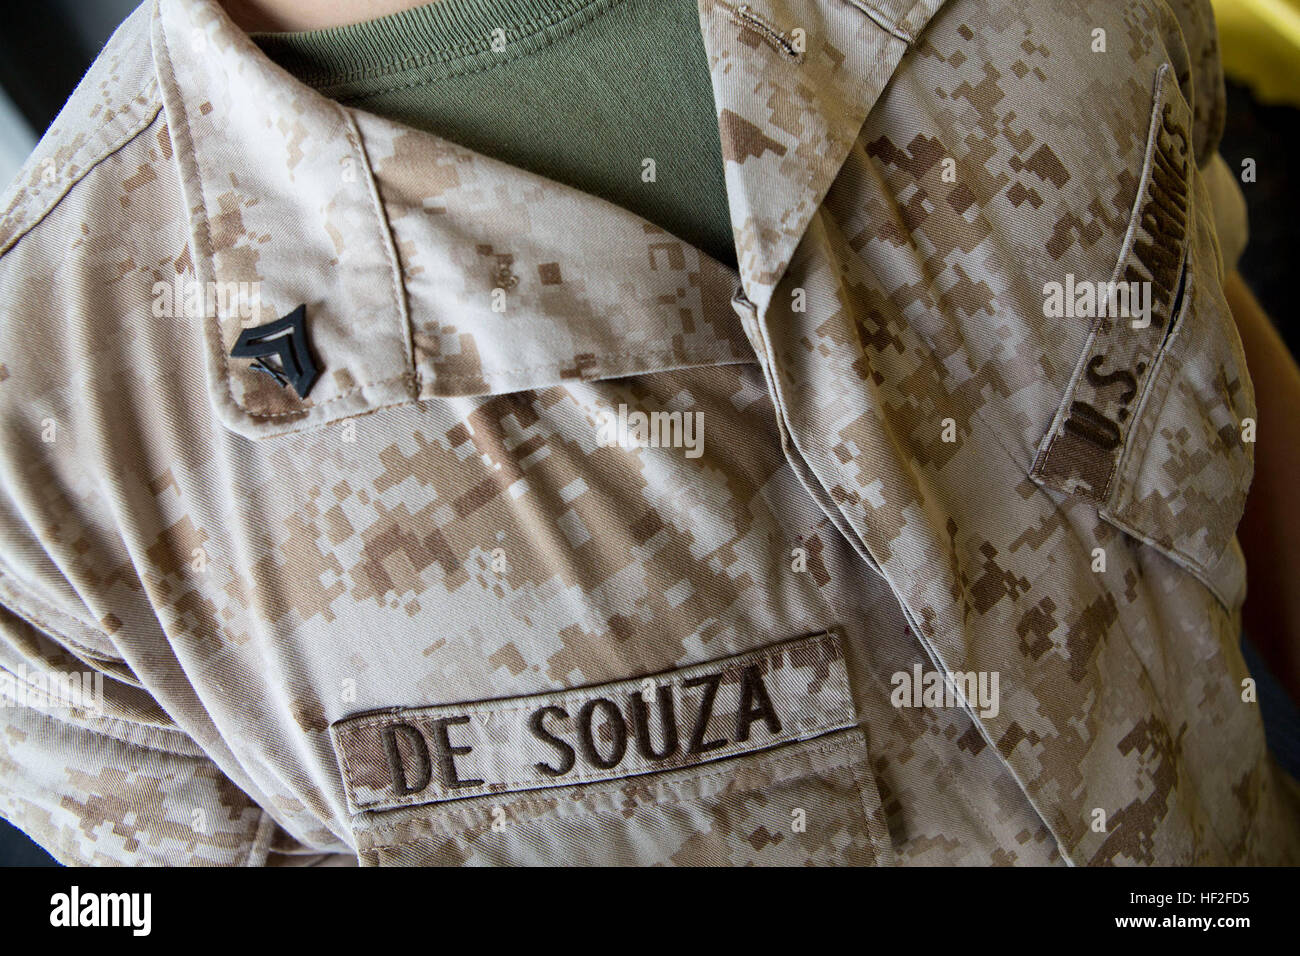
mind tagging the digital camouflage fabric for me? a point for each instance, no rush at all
(429, 613)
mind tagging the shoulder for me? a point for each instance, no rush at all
(114, 103)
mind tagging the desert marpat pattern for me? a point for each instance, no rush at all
(437, 522)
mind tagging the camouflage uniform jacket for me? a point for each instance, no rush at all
(423, 608)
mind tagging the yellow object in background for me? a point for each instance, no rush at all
(1261, 46)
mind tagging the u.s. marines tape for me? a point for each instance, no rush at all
(1082, 451)
(786, 692)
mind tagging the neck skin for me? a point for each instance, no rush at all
(279, 16)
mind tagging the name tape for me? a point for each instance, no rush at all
(794, 690)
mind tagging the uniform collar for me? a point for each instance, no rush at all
(793, 81)
(289, 189)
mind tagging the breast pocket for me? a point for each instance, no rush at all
(750, 759)
(1156, 426)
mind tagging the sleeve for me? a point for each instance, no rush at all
(108, 753)
(92, 765)
(1202, 77)
(93, 771)
(1230, 219)
(100, 763)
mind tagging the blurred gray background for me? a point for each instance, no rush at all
(46, 47)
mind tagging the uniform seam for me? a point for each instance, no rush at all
(142, 123)
(117, 728)
(1129, 639)
(878, 836)
(47, 610)
(400, 301)
(259, 848)
(932, 649)
(883, 20)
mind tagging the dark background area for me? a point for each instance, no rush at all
(1270, 135)
(46, 47)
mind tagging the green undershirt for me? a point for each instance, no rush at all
(583, 92)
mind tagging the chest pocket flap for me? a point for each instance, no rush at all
(1155, 426)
